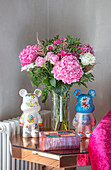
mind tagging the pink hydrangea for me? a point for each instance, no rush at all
(86, 48)
(52, 57)
(29, 55)
(67, 69)
(40, 61)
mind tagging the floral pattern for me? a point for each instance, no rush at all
(30, 118)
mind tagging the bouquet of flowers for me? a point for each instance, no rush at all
(58, 64)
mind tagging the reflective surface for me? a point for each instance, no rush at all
(33, 144)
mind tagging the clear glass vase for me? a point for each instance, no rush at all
(60, 111)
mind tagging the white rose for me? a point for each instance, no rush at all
(87, 59)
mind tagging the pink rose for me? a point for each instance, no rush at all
(52, 57)
(65, 38)
(59, 55)
(50, 48)
(54, 42)
(69, 54)
(63, 53)
(85, 49)
(62, 38)
(57, 42)
(48, 56)
(40, 61)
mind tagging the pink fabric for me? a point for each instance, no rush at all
(100, 145)
(83, 160)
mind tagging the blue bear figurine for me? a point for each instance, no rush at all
(84, 119)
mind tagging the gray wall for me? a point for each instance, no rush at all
(19, 22)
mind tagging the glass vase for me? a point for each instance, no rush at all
(60, 112)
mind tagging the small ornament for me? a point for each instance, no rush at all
(84, 119)
(59, 140)
(30, 118)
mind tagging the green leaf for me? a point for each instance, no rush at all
(43, 42)
(61, 88)
(38, 75)
(46, 81)
(57, 37)
(53, 82)
(79, 51)
(36, 81)
(68, 36)
(32, 83)
(84, 84)
(45, 92)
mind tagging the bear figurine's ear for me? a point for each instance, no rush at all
(92, 93)
(22, 92)
(77, 93)
(38, 92)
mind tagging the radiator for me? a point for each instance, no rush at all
(10, 128)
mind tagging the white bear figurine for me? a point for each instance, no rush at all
(30, 119)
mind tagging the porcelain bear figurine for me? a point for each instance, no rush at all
(84, 119)
(30, 119)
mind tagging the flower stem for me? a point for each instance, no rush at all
(57, 123)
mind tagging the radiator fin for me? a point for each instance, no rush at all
(10, 128)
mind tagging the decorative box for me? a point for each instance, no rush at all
(58, 140)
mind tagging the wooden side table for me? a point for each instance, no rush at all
(68, 159)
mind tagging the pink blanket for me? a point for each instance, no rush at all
(100, 145)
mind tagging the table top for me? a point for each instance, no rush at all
(25, 149)
(33, 144)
